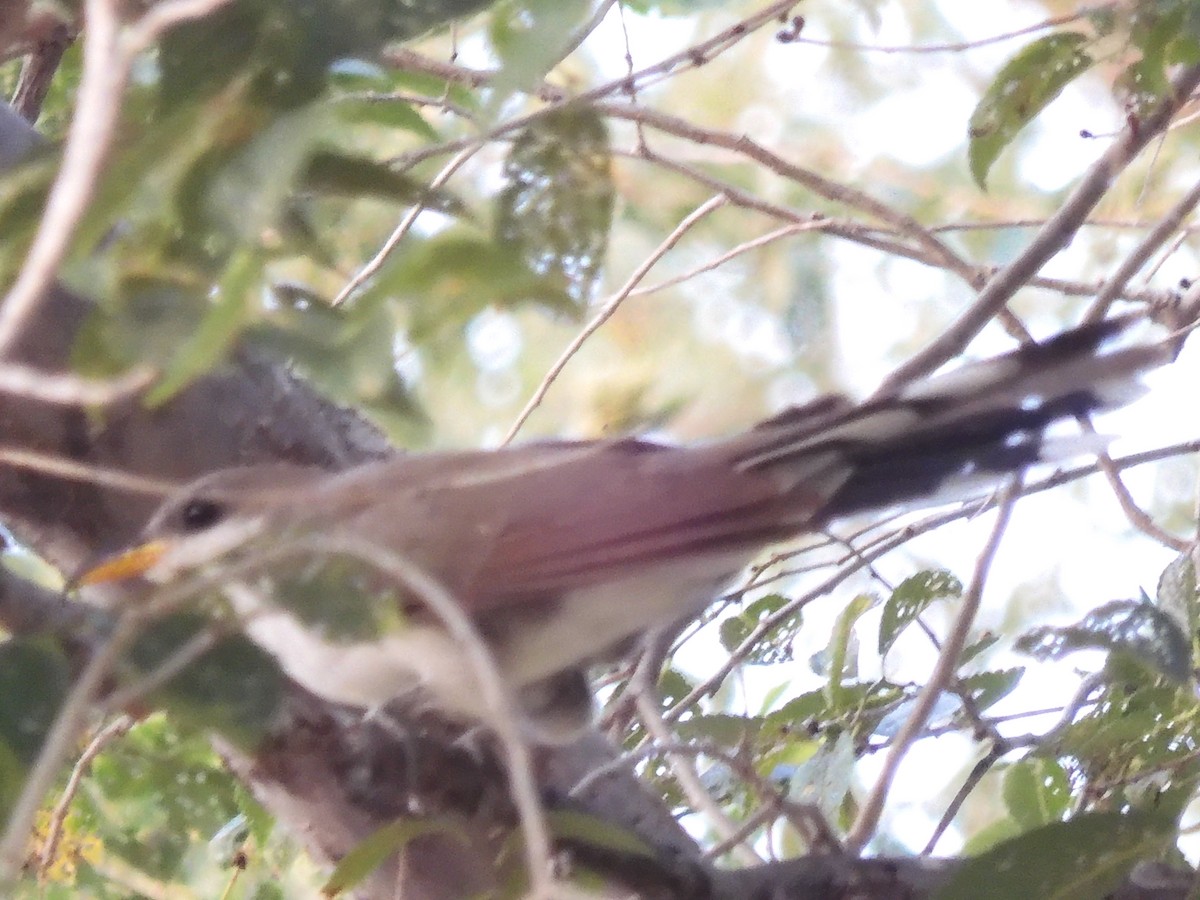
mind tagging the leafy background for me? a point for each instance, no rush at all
(264, 154)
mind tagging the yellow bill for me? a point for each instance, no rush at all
(132, 563)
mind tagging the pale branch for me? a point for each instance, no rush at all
(109, 51)
(943, 671)
(959, 46)
(609, 307)
(1163, 229)
(1052, 237)
(371, 268)
(873, 235)
(96, 109)
(71, 390)
(113, 731)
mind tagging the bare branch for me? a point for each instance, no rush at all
(71, 390)
(114, 730)
(609, 307)
(943, 671)
(1056, 233)
(372, 266)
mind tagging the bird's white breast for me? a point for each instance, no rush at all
(420, 654)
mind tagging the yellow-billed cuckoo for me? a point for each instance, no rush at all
(563, 552)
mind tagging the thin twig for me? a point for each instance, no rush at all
(610, 306)
(37, 71)
(1134, 513)
(1052, 237)
(69, 723)
(115, 729)
(943, 671)
(642, 686)
(981, 768)
(582, 33)
(693, 57)
(864, 234)
(831, 190)
(715, 263)
(96, 108)
(87, 473)
(504, 719)
(958, 46)
(885, 544)
(162, 17)
(63, 389)
(1002, 747)
(108, 56)
(1133, 262)
(372, 266)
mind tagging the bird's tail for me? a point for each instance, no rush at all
(949, 436)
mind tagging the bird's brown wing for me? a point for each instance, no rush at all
(499, 527)
(545, 518)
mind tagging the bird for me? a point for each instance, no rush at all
(563, 553)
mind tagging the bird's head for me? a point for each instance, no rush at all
(204, 522)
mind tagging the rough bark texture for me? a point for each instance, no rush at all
(328, 776)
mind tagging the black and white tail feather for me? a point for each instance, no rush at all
(951, 436)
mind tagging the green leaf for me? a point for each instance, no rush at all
(1139, 629)
(862, 706)
(155, 181)
(34, 678)
(23, 191)
(342, 598)
(456, 275)
(217, 332)
(1036, 792)
(841, 656)
(991, 835)
(984, 642)
(594, 832)
(150, 794)
(1179, 596)
(1082, 859)
(234, 688)
(673, 686)
(911, 598)
(249, 189)
(774, 647)
(1133, 725)
(1142, 85)
(337, 174)
(147, 322)
(371, 852)
(385, 112)
(1021, 90)
(12, 776)
(530, 38)
(988, 688)
(556, 208)
(26, 564)
(286, 49)
(825, 778)
(721, 729)
(348, 353)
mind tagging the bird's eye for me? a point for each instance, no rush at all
(199, 514)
